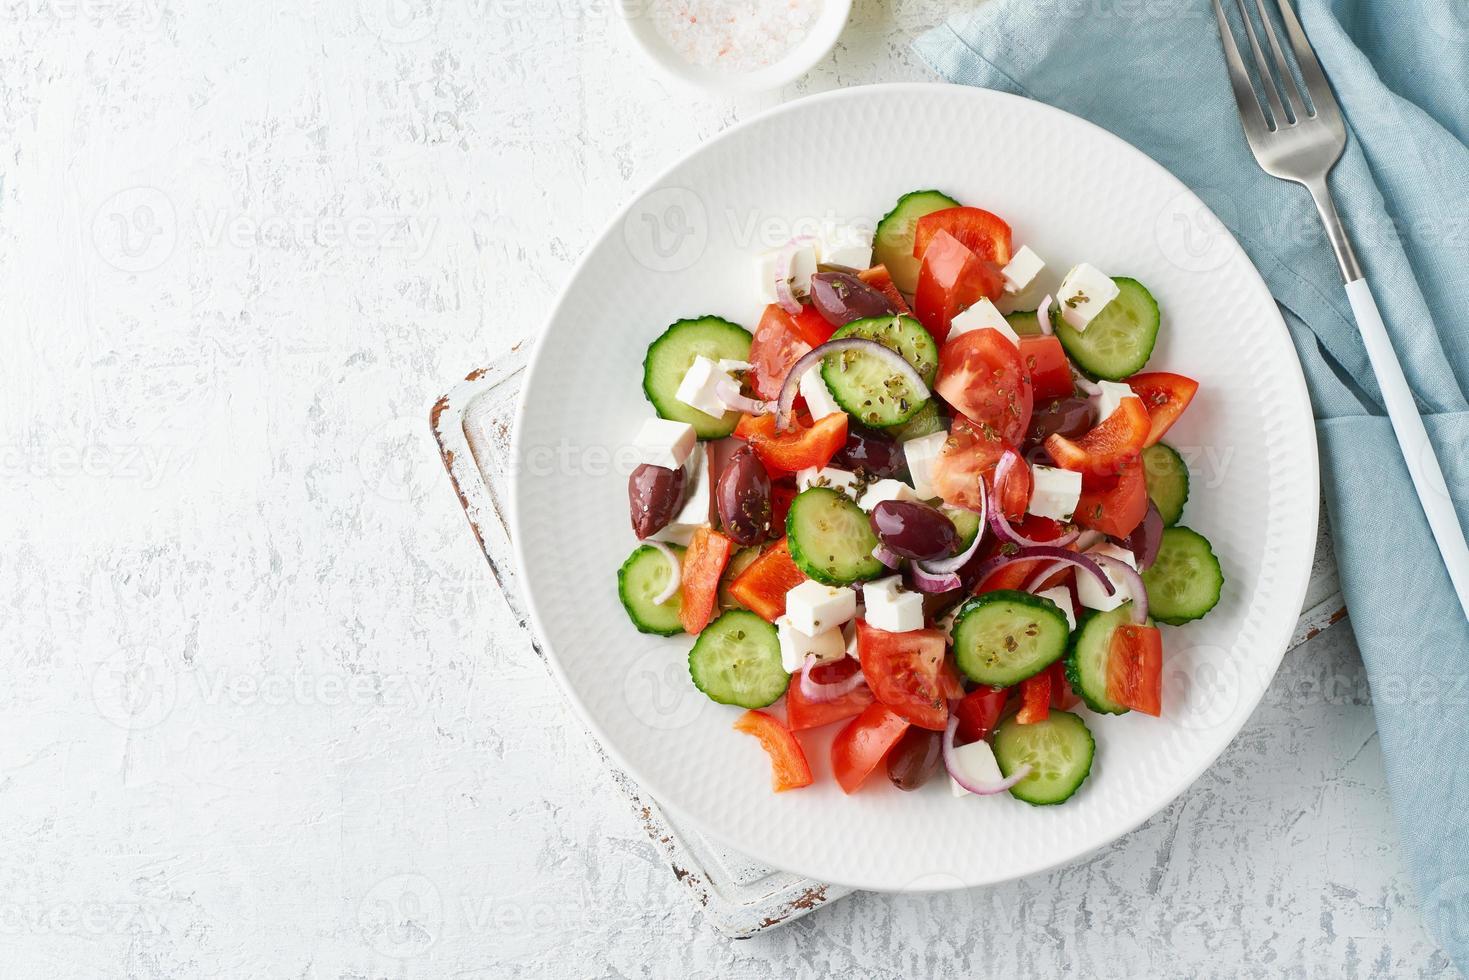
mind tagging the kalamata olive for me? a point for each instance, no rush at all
(743, 498)
(654, 494)
(1070, 417)
(915, 758)
(914, 529)
(841, 297)
(874, 456)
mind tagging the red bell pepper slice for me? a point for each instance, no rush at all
(980, 712)
(877, 277)
(799, 447)
(703, 566)
(1111, 443)
(762, 587)
(1115, 507)
(985, 234)
(788, 766)
(1035, 699)
(1165, 396)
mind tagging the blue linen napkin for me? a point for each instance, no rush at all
(1152, 71)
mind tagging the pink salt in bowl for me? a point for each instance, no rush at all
(735, 48)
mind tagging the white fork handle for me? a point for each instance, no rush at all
(1422, 463)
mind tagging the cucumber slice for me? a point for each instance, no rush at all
(1024, 322)
(1086, 667)
(1003, 637)
(866, 388)
(966, 522)
(1185, 580)
(1059, 750)
(1167, 479)
(736, 660)
(669, 358)
(892, 240)
(928, 421)
(740, 561)
(639, 580)
(1119, 340)
(830, 539)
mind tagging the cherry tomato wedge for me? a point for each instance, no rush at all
(777, 346)
(984, 234)
(950, 280)
(802, 713)
(1115, 507)
(788, 766)
(703, 564)
(1165, 396)
(903, 670)
(859, 748)
(1111, 443)
(762, 587)
(1135, 668)
(965, 462)
(797, 448)
(1050, 372)
(980, 712)
(982, 376)
(1035, 699)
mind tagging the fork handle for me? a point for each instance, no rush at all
(1418, 452)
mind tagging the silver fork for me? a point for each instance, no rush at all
(1301, 143)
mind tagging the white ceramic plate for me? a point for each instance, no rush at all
(1072, 192)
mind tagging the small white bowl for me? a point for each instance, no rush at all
(816, 45)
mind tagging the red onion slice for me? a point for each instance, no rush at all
(1132, 583)
(728, 391)
(784, 294)
(891, 358)
(818, 693)
(943, 566)
(887, 556)
(1043, 315)
(1083, 541)
(675, 578)
(934, 584)
(956, 772)
(1060, 556)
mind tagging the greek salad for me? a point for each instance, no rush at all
(950, 530)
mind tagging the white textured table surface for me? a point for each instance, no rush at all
(263, 713)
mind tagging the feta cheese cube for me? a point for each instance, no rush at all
(979, 316)
(921, 454)
(818, 396)
(1112, 394)
(1054, 493)
(846, 246)
(1022, 270)
(842, 481)
(663, 443)
(886, 490)
(812, 607)
(1061, 596)
(1089, 590)
(1084, 293)
(696, 508)
(796, 646)
(699, 388)
(977, 762)
(849, 632)
(802, 268)
(892, 609)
